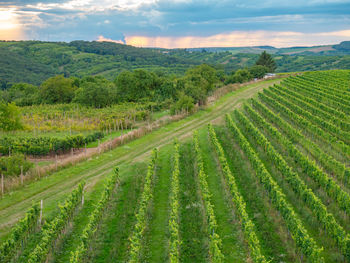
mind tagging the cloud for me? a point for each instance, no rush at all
(170, 22)
(242, 38)
(103, 39)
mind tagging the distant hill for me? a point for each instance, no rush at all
(35, 61)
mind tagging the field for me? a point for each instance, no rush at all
(262, 175)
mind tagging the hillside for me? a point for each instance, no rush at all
(265, 179)
(37, 61)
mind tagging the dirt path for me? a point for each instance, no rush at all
(52, 189)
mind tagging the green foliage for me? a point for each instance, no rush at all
(174, 239)
(199, 82)
(45, 145)
(185, 103)
(247, 223)
(10, 117)
(258, 71)
(266, 60)
(141, 215)
(301, 236)
(299, 187)
(19, 233)
(52, 230)
(11, 165)
(240, 76)
(57, 89)
(94, 219)
(96, 92)
(215, 241)
(23, 94)
(136, 85)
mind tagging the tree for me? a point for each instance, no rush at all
(136, 85)
(57, 89)
(10, 117)
(24, 94)
(266, 60)
(97, 92)
(240, 76)
(199, 81)
(258, 71)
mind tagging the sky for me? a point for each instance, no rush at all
(179, 23)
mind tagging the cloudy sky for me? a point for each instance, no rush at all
(179, 23)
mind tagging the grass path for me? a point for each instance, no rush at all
(157, 234)
(54, 188)
(233, 246)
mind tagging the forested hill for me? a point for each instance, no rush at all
(35, 61)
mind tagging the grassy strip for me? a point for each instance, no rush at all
(141, 217)
(215, 242)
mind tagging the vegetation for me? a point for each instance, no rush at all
(270, 185)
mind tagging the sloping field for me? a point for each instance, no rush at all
(268, 182)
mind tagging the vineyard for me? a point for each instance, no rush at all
(267, 179)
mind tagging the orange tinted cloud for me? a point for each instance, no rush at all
(10, 29)
(241, 38)
(103, 39)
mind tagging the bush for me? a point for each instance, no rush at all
(11, 166)
(184, 103)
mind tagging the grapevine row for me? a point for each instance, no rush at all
(248, 225)
(311, 169)
(214, 239)
(302, 122)
(298, 185)
(140, 226)
(314, 102)
(316, 120)
(326, 160)
(20, 232)
(309, 107)
(321, 96)
(174, 242)
(52, 229)
(303, 240)
(94, 219)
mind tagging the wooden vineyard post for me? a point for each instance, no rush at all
(82, 198)
(72, 152)
(56, 162)
(2, 185)
(21, 175)
(41, 211)
(85, 150)
(99, 148)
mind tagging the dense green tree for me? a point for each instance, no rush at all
(57, 89)
(184, 103)
(10, 117)
(258, 71)
(97, 92)
(24, 94)
(265, 59)
(136, 85)
(199, 81)
(240, 76)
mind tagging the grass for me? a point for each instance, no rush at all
(156, 237)
(233, 246)
(193, 226)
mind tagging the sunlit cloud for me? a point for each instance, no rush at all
(103, 39)
(241, 38)
(10, 29)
